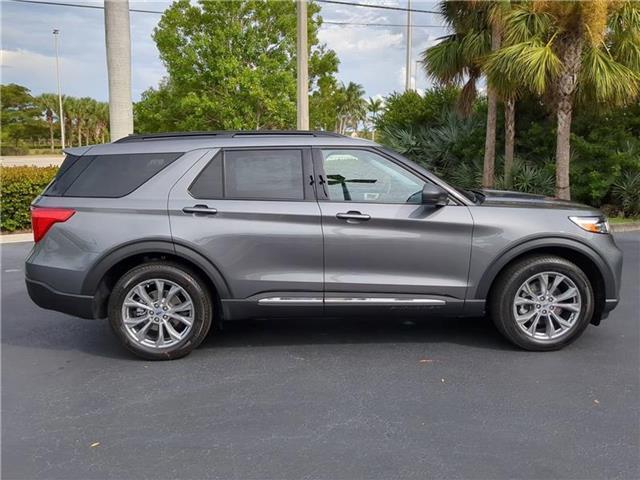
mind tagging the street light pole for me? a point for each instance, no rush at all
(56, 32)
(303, 67)
(407, 83)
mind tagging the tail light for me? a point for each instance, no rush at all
(42, 219)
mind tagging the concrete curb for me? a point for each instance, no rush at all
(16, 238)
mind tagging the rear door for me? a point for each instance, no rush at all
(253, 214)
(383, 248)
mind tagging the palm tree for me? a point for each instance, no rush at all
(568, 51)
(374, 107)
(118, 42)
(70, 108)
(49, 104)
(102, 122)
(351, 107)
(459, 57)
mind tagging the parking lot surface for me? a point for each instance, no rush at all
(333, 399)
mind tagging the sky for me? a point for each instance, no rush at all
(370, 55)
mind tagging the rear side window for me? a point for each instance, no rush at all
(263, 174)
(108, 176)
(71, 167)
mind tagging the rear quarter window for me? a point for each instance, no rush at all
(108, 176)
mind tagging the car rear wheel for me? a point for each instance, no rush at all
(160, 311)
(542, 303)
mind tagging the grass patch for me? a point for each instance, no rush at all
(623, 220)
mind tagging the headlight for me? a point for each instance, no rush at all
(592, 224)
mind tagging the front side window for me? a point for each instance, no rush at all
(263, 174)
(364, 176)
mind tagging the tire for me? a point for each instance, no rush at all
(536, 271)
(179, 337)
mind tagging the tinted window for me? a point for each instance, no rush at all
(67, 173)
(363, 176)
(264, 174)
(209, 183)
(116, 175)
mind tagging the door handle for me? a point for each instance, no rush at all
(353, 215)
(201, 209)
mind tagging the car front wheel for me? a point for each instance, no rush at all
(160, 311)
(542, 302)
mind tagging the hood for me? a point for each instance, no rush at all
(519, 199)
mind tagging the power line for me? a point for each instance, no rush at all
(139, 10)
(329, 22)
(382, 7)
(95, 7)
(358, 24)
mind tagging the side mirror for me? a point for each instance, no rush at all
(434, 195)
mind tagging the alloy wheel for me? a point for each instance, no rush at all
(547, 306)
(157, 313)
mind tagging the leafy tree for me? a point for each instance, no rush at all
(231, 65)
(409, 109)
(20, 117)
(568, 51)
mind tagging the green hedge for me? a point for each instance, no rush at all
(20, 185)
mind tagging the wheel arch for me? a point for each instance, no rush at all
(106, 271)
(600, 276)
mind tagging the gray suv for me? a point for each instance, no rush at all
(167, 235)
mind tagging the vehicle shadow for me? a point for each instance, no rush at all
(26, 325)
(474, 332)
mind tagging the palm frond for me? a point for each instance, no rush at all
(534, 63)
(605, 79)
(474, 46)
(444, 61)
(624, 34)
(524, 24)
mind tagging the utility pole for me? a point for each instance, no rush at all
(118, 40)
(56, 32)
(407, 83)
(303, 67)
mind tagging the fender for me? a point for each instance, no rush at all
(153, 245)
(513, 251)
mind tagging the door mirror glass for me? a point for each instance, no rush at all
(434, 195)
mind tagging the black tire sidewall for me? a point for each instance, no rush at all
(200, 297)
(502, 301)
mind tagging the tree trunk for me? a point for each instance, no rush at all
(567, 82)
(53, 146)
(509, 139)
(118, 42)
(488, 170)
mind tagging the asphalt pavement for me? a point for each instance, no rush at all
(339, 399)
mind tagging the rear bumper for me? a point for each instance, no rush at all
(44, 296)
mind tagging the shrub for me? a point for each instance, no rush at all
(627, 191)
(20, 185)
(528, 178)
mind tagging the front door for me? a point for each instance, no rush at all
(382, 247)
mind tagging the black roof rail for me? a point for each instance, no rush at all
(227, 134)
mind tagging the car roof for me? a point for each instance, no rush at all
(187, 141)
